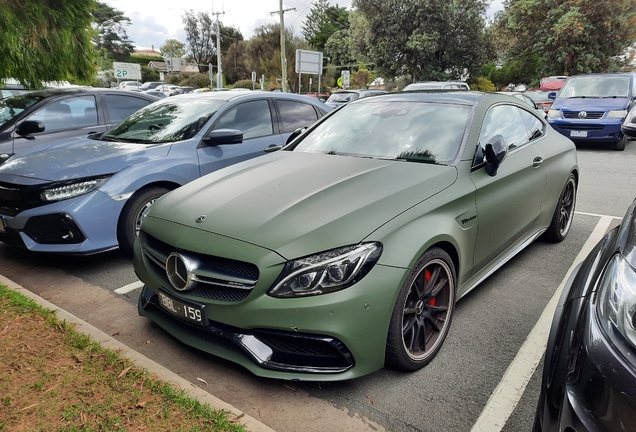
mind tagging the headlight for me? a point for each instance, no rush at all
(327, 271)
(554, 113)
(71, 190)
(630, 119)
(617, 114)
(617, 299)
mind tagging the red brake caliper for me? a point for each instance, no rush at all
(427, 276)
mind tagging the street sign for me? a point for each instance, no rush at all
(339, 82)
(346, 77)
(253, 76)
(127, 71)
(309, 62)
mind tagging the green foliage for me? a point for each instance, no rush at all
(263, 55)
(322, 21)
(571, 37)
(200, 31)
(172, 48)
(110, 33)
(197, 80)
(244, 84)
(149, 74)
(338, 48)
(427, 39)
(46, 40)
(482, 84)
(234, 62)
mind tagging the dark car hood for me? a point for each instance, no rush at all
(77, 158)
(301, 203)
(590, 104)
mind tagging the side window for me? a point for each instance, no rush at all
(295, 114)
(504, 120)
(70, 113)
(253, 118)
(120, 107)
(534, 126)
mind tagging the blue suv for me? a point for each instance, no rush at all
(90, 194)
(591, 108)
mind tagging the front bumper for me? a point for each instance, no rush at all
(82, 225)
(329, 337)
(601, 130)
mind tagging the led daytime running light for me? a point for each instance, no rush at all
(71, 190)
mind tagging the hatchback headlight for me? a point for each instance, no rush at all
(617, 299)
(71, 190)
(617, 114)
(327, 271)
(553, 113)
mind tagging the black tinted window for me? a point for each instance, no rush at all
(504, 120)
(533, 125)
(69, 113)
(295, 115)
(253, 118)
(121, 107)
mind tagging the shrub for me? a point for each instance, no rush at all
(482, 84)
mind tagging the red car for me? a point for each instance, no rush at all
(540, 98)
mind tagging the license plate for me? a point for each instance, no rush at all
(582, 134)
(191, 313)
(2, 230)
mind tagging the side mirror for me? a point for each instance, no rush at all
(552, 95)
(295, 134)
(496, 152)
(223, 136)
(629, 124)
(29, 127)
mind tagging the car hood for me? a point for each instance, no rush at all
(78, 158)
(591, 104)
(300, 203)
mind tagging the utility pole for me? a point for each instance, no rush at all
(283, 56)
(219, 73)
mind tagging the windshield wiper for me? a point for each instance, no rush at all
(110, 138)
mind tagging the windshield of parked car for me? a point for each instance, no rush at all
(343, 97)
(596, 87)
(538, 95)
(12, 106)
(408, 131)
(172, 120)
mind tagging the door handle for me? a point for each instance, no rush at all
(536, 163)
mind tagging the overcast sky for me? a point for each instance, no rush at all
(154, 21)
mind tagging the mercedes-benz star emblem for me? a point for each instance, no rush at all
(582, 114)
(180, 271)
(201, 218)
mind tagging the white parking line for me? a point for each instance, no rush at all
(511, 387)
(597, 215)
(130, 287)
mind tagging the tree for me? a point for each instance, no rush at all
(234, 63)
(110, 36)
(201, 37)
(428, 39)
(263, 55)
(46, 40)
(338, 48)
(322, 21)
(572, 37)
(172, 48)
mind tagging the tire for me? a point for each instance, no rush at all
(620, 145)
(421, 317)
(133, 214)
(563, 213)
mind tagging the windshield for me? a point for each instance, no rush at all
(165, 121)
(12, 106)
(408, 131)
(596, 87)
(538, 95)
(343, 97)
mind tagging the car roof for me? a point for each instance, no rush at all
(77, 90)
(468, 97)
(231, 95)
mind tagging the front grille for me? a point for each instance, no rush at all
(218, 278)
(16, 198)
(580, 127)
(590, 115)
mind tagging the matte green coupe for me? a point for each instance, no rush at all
(348, 249)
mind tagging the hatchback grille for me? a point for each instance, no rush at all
(590, 115)
(16, 198)
(218, 278)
